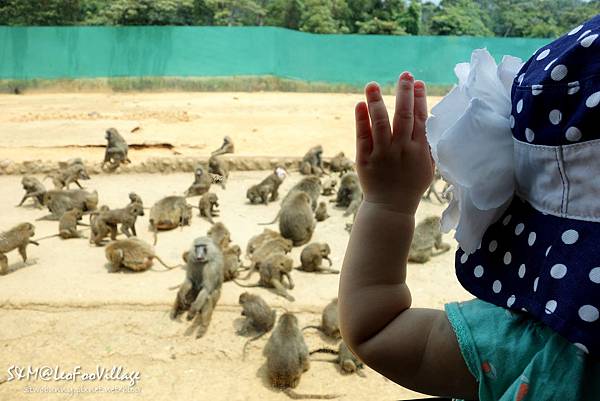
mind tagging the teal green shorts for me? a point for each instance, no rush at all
(515, 358)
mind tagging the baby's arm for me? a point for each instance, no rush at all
(416, 348)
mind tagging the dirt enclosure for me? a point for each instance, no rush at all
(65, 310)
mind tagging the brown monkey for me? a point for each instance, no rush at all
(219, 167)
(312, 162)
(329, 187)
(341, 164)
(272, 271)
(169, 213)
(266, 190)
(201, 289)
(17, 237)
(440, 197)
(135, 198)
(201, 184)
(273, 245)
(232, 262)
(312, 257)
(310, 186)
(207, 205)
(321, 212)
(107, 222)
(60, 201)
(260, 318)
(133, 254)
(296, 221)
(34, 189)
(329, 321)
(347, 361)
(287, 357)
(67, 226)
(116, 150)
(220, 235)
(226, 147)
(426, 238)
(349, 194)
(64, 177)
(258, 240)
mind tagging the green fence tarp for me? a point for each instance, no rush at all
(100, 52)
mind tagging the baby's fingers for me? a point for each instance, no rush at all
(420, 112)
(404, 111)
(364, 140)
(380, 122)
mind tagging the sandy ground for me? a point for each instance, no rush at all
(66, 310)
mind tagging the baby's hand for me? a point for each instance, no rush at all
(394, 164)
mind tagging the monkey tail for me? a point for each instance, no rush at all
(324, 351)
(295, 396)
(313, 327)
(166, 265)
(245, 349)
(272, 222)
(174, 287)
(246, 285)
(154, 232)
(41, 239)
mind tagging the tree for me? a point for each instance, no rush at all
(40, 12)
(285, 13)
(236, 12)
(324, 16)
(146, 12)
(460, 17)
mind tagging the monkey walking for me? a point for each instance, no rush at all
(116, 151)
(169, 213)
(201, 289)
(17, 237)
(34, 189)
(133, 254)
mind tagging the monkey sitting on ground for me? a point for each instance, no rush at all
(207, 205)
(349, 194)
(312, 162)
(62, 178)
(329, 321)
(296, 221)
(266, 190)
(272, 271)
(260, 318)
(133, 254)
(220, 235)
(347, 361)
(201, 184)
(61, 201)
(288, 358)
(311, 186)
(258, 240)
(67, 226)
(321, 212)
(232, 262)
(17, 237)
(312, 256)
(201, 289)
(329, 187)
(426, 238)
(116, 150)
(34, 189)
(107, 222)
(220, 168)
(135, 198)
(340, 164)
(226, 147)
(272, 245)
(169, 213)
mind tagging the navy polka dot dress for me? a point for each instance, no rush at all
(543, 255)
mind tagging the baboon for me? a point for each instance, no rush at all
(70, 163)
(329, 187)
(296, 221)
(272, 271)
(310, 186)
(219, 167)
(226, 147)
(201, 288)
(266, 190)
(231, 262)
(64, 177)
(93, 218)
(67, 225)
(349, 194)
(107, 222)
(260, 318)
(426, 238)
(207, 205)
(440, 197)
(312, 257)
(133, 254)
(116, 150)
(17, 237)
(347, 361)
(60, 201)
(135, 198)
(329, 321)
(272, 245)
(258, 240)
(312, 162)
(201, 184)
(169, 213)
(287, 357)
(220, 235)
(34, 189)
(340, 164)
(321, 212)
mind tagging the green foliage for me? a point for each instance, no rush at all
(236, 12)
(460, 17)
(140, 12)
(285, 13)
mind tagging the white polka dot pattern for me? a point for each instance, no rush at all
(537, 89)
(478, 272)
(551, 306)
(573, 134)
(588, 40)
(558, 271)
(507, 258)
(511, 301)
(593, 100)
(497, 286)
(595, 275)
(529, 134)
(588, 313)
(522, 270)
(555, 116)
(493, 246)
(520, 106)
(559, 72)
(531, 238)
(570, 237)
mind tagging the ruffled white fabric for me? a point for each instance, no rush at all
(471, 141)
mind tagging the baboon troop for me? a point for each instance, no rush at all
(60, 201)
(266, 190)
(17, 237)
(107, 221)
(427, 241)
(201, 184)
(70, 174)
(312, 162)
(116, 151)
(133, 254)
